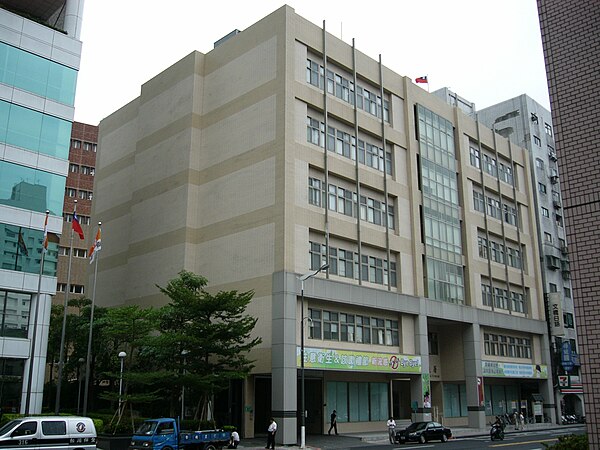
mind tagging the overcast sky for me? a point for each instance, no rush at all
(485, 50)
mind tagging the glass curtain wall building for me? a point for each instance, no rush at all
(38, 74)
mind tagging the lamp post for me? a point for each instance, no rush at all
(183, 354)
(306, 276)
(122, 356)
(80, 361)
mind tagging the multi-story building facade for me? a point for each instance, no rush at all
(528, 124)
(285, 148)
(570, 40)
(79, 187)
(40, 53)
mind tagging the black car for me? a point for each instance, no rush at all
(423, 432)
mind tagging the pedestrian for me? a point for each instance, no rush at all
(272, 430)
(333, 423)
(391, 424)
(234, 440)
(522, 420)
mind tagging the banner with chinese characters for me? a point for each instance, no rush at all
(353, 360)
(513, 370)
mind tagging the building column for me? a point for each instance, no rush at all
(42, 327)
(420, 387)
(473, 376)
(284, 371)
(546, 386)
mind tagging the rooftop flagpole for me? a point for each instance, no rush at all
(94, 258)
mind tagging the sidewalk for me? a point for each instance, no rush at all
(349, 440)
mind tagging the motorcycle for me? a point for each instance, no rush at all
(497, 431)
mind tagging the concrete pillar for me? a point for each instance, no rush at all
(42, 324)
(420, 387)
(473, 376)
(547, 386)
(74, 18)
(284, 372)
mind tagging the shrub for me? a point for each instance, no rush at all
(570, 442)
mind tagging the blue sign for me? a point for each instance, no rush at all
(566, 359)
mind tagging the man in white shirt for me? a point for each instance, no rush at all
(391, 424)
(235, 439)
(272, 430)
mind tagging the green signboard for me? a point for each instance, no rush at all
(359, 361)
(513, 370)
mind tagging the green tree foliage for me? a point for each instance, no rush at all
(207, 336)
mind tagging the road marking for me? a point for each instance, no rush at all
(408, 448)
(524, 442)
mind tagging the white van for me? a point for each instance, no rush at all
(44, 432)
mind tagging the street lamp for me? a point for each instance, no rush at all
(122, 356)
(80, 361)
(183, 354)
(306, 276)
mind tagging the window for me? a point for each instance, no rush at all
(545, 212)
(548, 129)
(518, 302)
(70, 192)
(432, 339)
(567, 292)
(537, 140)
(316, 195)
(539, 163)
(478, 201)
(547, 237)
(475, 157)
(559, 221)
(542, 188)
(314, 73)
(88, 170)
(501, 345)
(455, 400)
(339, 326)
(315, 131)
(87, 146)
(569, 321)
(486, 294)
(85, 195)
(73, 168)
(54, 427)
(553, 287)
(76, 143)
(74, 288)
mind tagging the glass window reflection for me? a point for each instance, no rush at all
(33, 130)
(37, 75)
(27, 257)
(32, 189)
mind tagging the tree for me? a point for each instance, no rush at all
(207, 336)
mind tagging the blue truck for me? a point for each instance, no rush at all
(164, 434)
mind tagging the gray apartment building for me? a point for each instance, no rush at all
(285, 148)
(529, 125)
(570, 37)
(40, 52)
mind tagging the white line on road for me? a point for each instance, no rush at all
(408, 448)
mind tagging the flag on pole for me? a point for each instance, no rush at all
(45, 244)
(97, 245)
(21, 243)
(421, 79)
(76, 226)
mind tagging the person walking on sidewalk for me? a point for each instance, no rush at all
(391, 424)
(272, 430)
(333, 423)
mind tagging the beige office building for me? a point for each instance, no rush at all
(285, 148)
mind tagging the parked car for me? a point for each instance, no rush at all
(423, 432)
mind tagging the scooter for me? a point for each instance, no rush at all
(497, 431)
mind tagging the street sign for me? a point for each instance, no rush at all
(566, 359)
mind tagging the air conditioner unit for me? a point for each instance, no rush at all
(554, 178)
(557, 204)
(552, 156)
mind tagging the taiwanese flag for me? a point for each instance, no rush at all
(421, 79)
(76, 226)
